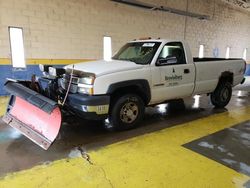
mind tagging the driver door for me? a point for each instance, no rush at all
(172, 77)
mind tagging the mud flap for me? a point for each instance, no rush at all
(35, 116)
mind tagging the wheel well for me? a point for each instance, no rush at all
(131, 90)
(226, 77)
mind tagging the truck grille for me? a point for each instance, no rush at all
(64, 82)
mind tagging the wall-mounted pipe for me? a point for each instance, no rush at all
(148, 6)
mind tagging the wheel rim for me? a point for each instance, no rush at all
(129, 112)
(224, 94)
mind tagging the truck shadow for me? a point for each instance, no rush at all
(92, 135)
(21, 153)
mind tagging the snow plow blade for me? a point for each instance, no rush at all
(35, 116)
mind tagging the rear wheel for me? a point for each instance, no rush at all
(222, 95)
(126, 112)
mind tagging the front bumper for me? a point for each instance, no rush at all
(94, 107)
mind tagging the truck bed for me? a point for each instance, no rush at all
(208, 72)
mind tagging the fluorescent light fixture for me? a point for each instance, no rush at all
(201, 51)
(228, 53)
(107, 48)
(245, 54)
(17, 47)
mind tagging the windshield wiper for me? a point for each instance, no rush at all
(126, 60)
(134, 61)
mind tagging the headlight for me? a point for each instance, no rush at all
(87, 80)
(86, 84)
(85, 89)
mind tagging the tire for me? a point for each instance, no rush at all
(222, 95)
(126, 112)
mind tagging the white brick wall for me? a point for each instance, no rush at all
(73, 29)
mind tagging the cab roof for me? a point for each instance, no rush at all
(155, 40)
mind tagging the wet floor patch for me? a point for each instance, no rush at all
(230, 147)
(247, 184)
(9, 134)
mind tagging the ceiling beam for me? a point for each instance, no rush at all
(153, 7)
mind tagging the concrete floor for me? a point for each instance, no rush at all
(78, 137)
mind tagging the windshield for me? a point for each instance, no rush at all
(138, 52)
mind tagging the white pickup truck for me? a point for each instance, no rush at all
(142, 73)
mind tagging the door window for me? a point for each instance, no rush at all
(173, 50)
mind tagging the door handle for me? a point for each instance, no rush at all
(186, 71)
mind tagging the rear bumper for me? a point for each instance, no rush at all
(89, 107)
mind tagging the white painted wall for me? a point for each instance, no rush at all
(73, 29)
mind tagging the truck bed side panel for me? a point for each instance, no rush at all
(209, 72)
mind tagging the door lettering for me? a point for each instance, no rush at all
(173, 77)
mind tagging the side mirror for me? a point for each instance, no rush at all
(166, 61)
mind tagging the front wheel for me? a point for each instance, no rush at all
(222, 95)
(126, 112)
